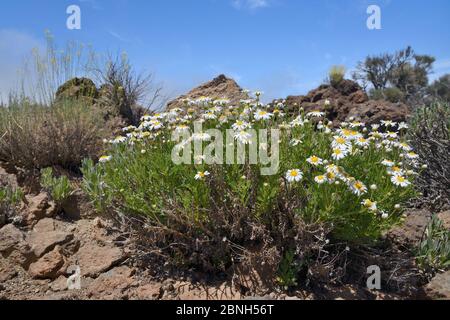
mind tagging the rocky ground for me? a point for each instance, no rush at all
(43, 252)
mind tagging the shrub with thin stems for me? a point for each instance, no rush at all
(430, 136)
(34, 136)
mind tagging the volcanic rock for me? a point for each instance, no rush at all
(220, 87)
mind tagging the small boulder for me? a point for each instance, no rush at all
(60, 284)
(150, 291)
(14, 247)
(49, 266)
(411, 231)
(439, 287)
(112, 284)
(94, 259)
(78, 88)
(7, 270)
(220, 87)
(39, 207)
(445, 218)
(44, 237)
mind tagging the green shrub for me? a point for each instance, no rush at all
(392, 94)
(216, 218)
(288, 270)
(9, 200)
(433, 254)
(93, 185)
(336, 75)
(59, 188)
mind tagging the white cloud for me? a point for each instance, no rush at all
(441, 67)
(250, 4)
(15, 47)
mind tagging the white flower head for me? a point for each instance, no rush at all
(314, 160)
(201, 175)
(294, 175)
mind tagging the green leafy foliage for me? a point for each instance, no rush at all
(433, 254)
(59, 188)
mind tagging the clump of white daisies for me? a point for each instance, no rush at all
(354, 167)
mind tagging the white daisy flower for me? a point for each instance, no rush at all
(320, 179)
(104, 159)
(375, 127)
(339, 154)
(404, 146)
(262, 115)
(356, 124)
(297, 122)
(358, 188)
(154, 124)
(400, 181)
(118, 140)
(294, 175)
(209, 116)
(340, 142)
(240, 125)
(395, 171)
(362, 142)
(295, 142)
(316, 114)
(388, 163)
(244, 137)
(182, 128)
(314, 160)
(402, 125)
(201, 175)
(201, 137)
(370, 205)
(412, 155)
(388, 123)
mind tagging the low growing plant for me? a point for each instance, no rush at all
(351, 180)
(9, 200)
(59, 187)
(336, 75)
(433, 254)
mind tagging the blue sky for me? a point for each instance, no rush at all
(278, 46)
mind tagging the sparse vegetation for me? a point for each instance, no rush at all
(430, 136)
(390, 94)
(9, 200)
(433, 254)
(403, 70)
(336, 75)
(58, 187)
(33, 136)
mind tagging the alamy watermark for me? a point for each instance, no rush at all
(374, 280)
(74, 281)
(73, 22)
(374, 20)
